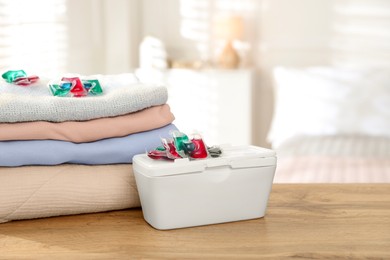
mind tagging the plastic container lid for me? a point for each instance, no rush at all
(233, 156)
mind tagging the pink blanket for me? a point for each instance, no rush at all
(334, 159)
(332, 169)
(88, 131)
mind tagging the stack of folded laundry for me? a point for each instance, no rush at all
(68, 155)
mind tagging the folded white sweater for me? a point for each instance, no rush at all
(122, 94)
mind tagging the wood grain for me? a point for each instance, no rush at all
(332, 221)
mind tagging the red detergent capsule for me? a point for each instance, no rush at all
(200, 150)
(158, 155)
(25, 81)
(170, 149)
(77, 89)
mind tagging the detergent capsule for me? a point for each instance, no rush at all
(170, 149)
(200, 150)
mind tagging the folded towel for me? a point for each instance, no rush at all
(107, 151)
(122, 95)
(45, 191)
(91, 130)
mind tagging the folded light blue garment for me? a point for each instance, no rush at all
(106, 151)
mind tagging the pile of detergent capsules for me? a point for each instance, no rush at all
(19, 77)
(181, 146)
(75, 87)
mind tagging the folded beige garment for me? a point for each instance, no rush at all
(88, 131)
(44, 191)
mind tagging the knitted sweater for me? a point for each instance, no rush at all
(122, 94)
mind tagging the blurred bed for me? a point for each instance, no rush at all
(332, 125)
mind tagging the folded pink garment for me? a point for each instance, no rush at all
(88, 131)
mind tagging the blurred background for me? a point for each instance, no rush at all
(216, 56)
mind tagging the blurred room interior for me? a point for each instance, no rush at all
(200, 48)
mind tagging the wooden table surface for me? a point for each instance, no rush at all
(332, 221)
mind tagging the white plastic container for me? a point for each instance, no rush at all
(187, 193)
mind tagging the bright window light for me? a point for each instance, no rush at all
(33, 35)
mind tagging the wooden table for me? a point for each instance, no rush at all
(329, 221)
